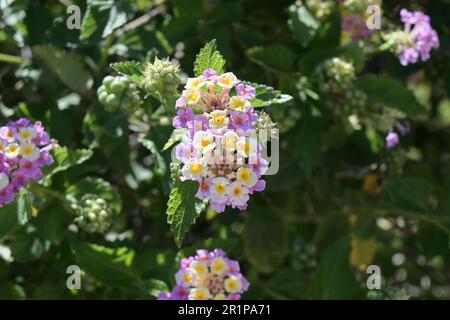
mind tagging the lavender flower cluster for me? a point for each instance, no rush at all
(220, 149)
(207, 276)
(24, 150)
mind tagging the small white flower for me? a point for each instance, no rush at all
(192, 96)
(26, 134)
(227, 80)
(185, 277)
(229, 141)
(194, 169)
(218, 189)
(237, 193)
(29, 151)
(218, 265)
(246, 176)
(199, 294)
(246, 147)
(195, 83)
(12, 150)
(239, 104)
(218, 119)
(204, 141)
(233, 284)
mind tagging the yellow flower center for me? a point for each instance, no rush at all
(187, 277)
(13, 148)
(205, 143)
(25, 134)
(220, 187)
(237, 192)
(196, 168)
(219, 121)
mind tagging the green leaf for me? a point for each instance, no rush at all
(15, 214)
(110, 266)
(334, 278)
(66, 66)
(181, 211)
(155, 286)
(303, 24)
(265, 239)
(133, 69)
(409, 193)
(275, 58)
(267, 96)
(65, 159)
(209, 57)
(392, 93)
(52, 222)
(11, 291)
(103, 17)
(28, 247)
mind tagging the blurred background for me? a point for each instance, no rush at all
(341, 201)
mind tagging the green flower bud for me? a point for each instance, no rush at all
(118, 92)
(162, 77)
(93, 214)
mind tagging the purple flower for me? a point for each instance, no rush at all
(409, 55)
(209, 74)
(8, 134)
(403, 128)
(392, 140)
(234, 296)
(179, 293)
(182, 118)
(214, 269)
(422, 34)
(203, 189)
(240, 121)
(164, 296)
(245, 91)
(6, 195)
(180, 103)
(218, 207)
(21, 167)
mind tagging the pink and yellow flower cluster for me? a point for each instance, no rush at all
(207, 276)
(220, 149)
(24, 150)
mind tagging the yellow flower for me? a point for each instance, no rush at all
(239, 104)
(194, 83)
(227, 80)
(233, 284)
(218, 119)
(218, 266)
(12, 150)
(26, 134)
(29, 151)
(199, 267)
(220, 296)
(193, 97)
(246, 176)
(199, 294)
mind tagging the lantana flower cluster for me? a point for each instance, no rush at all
(24, 150)
(416, 40)
(220, 149)
(209, 275)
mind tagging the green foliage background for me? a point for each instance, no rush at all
(339, 202)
